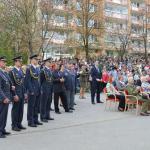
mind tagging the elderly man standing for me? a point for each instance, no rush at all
(69, 75)
(96, 82)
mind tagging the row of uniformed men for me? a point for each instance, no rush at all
(37, 87)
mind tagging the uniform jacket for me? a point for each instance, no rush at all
(32, 80)
(46, 80)
(5, 86)
(17, 78)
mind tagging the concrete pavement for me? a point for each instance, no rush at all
(88, 128)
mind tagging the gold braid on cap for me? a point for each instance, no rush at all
(17, 81)
(47, 77)
(32, 75)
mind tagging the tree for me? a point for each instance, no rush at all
(20, 19)
(121, 39)
(87, 21)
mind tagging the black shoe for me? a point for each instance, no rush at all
(22, 127)
(72, 109)
(58, 112)
(144, 114)
(32, 125)
(44, 120)
(16, 129)
(38, 123)
(6, 133)
(2, 135)
(51, 109)
(147, 113)
(68, 111)
(93, 103)
(50, 118)
(100, 102)
(75, 104)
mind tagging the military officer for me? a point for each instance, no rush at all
(7, 90)
(17, 78)
(33, 89)
(46, 91)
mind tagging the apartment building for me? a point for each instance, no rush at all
(129, 16)
(107, 20)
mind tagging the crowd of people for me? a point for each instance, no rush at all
(41, 82)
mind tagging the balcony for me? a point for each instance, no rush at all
(62, 7)
(137, 9)
(137, 22)
(120, 2)
(62, 25)
(116, 15)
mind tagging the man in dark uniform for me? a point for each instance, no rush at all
(7, 90)
(46, 91)
(32, 80)
(17, 78)
(96, 76)
(59, 89)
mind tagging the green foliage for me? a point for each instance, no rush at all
(10, 54)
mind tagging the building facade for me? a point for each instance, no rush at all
(104, 26)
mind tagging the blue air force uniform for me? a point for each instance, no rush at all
(17, 78)
(5, 92)
(46, 93)
(33, 89)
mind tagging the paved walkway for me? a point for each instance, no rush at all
(88, 128)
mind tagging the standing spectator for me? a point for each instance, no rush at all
(96, 86)
(83, 81)
(70, 85)
(59, 89)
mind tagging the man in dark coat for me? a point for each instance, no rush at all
(59, 89)
(69, 75)
(96, 85)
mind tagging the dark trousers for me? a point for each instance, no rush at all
(121, 99)
(95, 90)
(46, 100)
(33, 108)
(17, 113)
(3, 116)
(63, 97)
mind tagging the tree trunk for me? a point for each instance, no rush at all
(145, 47)
(30, 47)
(87, 52)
